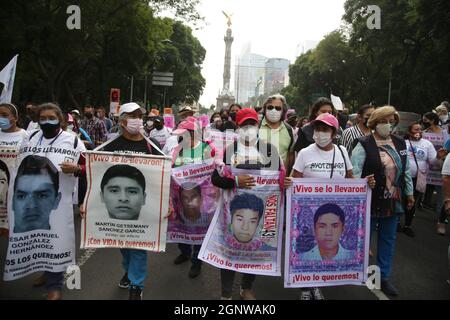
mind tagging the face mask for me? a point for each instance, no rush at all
(134, 126)
(70, 127)
(384, 129)
(5, 124)
(426, 125)
(233, 116)
(88, 115)
(158, 126)
(149, 123)
(50, 127)
(322, 139)
(273, 115)
(443, 119)
(248, 133)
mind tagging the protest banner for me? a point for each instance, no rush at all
(438, 140)
(204, 120)
(40, 212)
(8, 157)
(328, 233)
(194, 199)
(169, 121)
(246, 232)
(114, 101)
(126, 202)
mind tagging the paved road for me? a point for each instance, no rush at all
(420, 272)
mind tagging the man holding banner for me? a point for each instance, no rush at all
(123, 191)
(246, 232)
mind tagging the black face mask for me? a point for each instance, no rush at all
(50, 130)
(88, 115)
(426, 125)
(233, 116)
(158, 126)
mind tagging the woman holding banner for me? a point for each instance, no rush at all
(247, 153)
(190, 150)
(385, 156)
(11, 138)
(49, 161)
(323, 159)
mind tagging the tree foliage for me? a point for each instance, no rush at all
(357, 64)
(118, 39)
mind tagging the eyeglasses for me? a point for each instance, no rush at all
(278, 108)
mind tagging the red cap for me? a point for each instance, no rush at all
(245, 114)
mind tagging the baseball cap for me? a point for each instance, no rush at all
(246, 114)
(158, 119)
(75, 111)
(189, 124)
(130, 107)
(328, 119)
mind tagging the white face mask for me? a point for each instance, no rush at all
(248, 133)
(134, 126)
(384, 129)
(273, 115)
(322, 139)
(444, 119)
(149, 123)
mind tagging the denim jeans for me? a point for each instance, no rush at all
(227, 279)
(54, 280)
(186, 249)
(135, 264)
(387, 235)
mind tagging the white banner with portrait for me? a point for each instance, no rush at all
(127, 201)
(8, 157)
(246, 232)
(40, 211)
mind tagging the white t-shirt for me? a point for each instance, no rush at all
(161, 135)
(12, 139)
(314, 162)
(446, 166)
(425, 154)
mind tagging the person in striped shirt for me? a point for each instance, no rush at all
(350, 136)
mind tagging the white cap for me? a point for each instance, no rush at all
(130, 107)
(75, 111)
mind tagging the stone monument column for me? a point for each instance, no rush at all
(225, 99)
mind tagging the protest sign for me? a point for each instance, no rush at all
(40, 208)
(438, 140)
(328, 232)
(194, 200)
(127, 201)
(246, 232)
(169, 121)
(8, 156)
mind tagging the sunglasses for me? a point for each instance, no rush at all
(278, 108)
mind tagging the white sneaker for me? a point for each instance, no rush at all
(306, 294)
(317, 294)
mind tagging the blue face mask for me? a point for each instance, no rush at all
(52, 122)
(5, 124)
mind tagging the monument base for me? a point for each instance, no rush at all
(224, 101)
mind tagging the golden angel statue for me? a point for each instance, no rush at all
(228, 16)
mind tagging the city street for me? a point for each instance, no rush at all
(420, 272)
